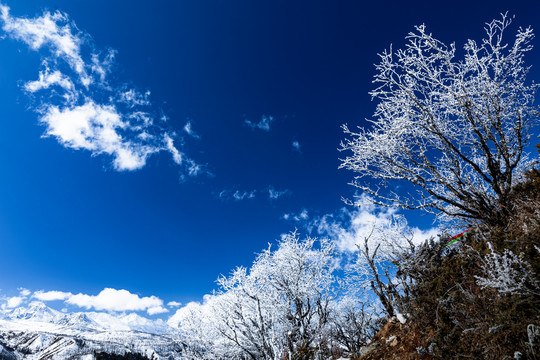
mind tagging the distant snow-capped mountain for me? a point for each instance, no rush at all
(39, 332)
(35, 311)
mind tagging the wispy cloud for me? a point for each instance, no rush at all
(79, 105)
(274, 194)
(270, 192)
(237, 195)
(302, 216)
(241, 195)
(296, 146)
(133, 98)
(263, 124)
(188, 128)
(174, 304)
(349, 227)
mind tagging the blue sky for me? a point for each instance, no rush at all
(236, 109)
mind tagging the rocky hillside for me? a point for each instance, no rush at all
(477, 300)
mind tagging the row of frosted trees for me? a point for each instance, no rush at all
(292, 303)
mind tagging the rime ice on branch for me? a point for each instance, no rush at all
(455, 129)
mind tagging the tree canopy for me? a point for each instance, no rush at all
(455, 129)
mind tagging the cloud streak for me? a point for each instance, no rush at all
(77, 103)
(263, 124)
(188, 128)
(274, 194)
(237, 195)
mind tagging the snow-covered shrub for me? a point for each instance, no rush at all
(508, 273)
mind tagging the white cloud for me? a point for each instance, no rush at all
(108, 299)
(263, 124)
(80, 106)
(173, 304)
(52, 30)
(14, 301)
(237, 195)
(188, 128)
(133, 98)
(348, 227)
(241, 195)
(101, 65)
(193, 168)
(302, 216)
(117, 300)
(24, 292)
(54, 78)
(351, 227)
(296, 146)
(177, 156)
(97, 128)
(51, 295)
(156, 310)
(274, 194)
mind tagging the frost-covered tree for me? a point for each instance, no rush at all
(374, 271)
(355, 321)
(279, 308)
(196, 324)
(456, 129)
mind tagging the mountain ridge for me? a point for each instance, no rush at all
(37, 331)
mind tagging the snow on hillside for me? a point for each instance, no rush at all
(37, 331)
